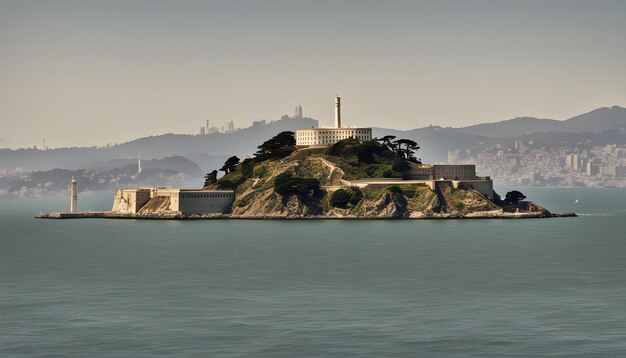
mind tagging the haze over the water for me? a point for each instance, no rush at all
(94, 72)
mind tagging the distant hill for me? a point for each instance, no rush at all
(174, 171)
(597, 121)
(175, 163)
(435, 142)
(207, 150)
(598, 127)
(513, 127)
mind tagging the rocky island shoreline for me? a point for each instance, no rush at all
(349, 180)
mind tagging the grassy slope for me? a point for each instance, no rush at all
(468, 201)
(255, 194)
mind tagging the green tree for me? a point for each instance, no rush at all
(340, 198)
(355, 195)
(406, 148)
(230, 164)
(387, 141)
(514, 197)
(279, 146)
(400, 165)
(365, 152)
(343, 147)
(210, 178)
(287, 184)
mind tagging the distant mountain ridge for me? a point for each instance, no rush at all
(174, 171)
(602, 126)
(512, 127)
(210, 149)
(597, 121)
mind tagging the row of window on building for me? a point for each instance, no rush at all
(205, 196)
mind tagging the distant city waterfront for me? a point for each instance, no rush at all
(315, 288)
(525, 164)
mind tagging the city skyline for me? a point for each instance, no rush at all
(77, 72)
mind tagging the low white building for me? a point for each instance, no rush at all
(442, 171)
(329, 136)
(168, 200)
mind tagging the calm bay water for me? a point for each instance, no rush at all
(479, 288)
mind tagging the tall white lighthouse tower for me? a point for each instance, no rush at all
(73, 196)
(337, 112)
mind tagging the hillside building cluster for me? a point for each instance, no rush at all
(526, 164)
(227, 127)
(431, 175)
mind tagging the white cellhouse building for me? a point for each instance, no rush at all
(329, 136)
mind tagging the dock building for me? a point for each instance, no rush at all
(168, 200)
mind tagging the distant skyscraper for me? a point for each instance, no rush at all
(593, 169)
(572, 162)
(202, 130)
(228, 127)
(608, 170)
(298, 113)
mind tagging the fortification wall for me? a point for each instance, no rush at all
(195, 202)
(483, 186)
(130, 201)
(187, 201)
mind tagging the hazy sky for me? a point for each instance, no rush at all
(94, 72)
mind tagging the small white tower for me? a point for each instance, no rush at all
(138, 165)
(337, 112)
(73, 196)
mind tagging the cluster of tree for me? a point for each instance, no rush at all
(364, 151)
(514, 197)
(279, 146)
(340, 198)
(404, 148)
(287, 184)
(210, 178)
(230, 165)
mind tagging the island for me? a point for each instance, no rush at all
(325, 173)
(350, 179)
